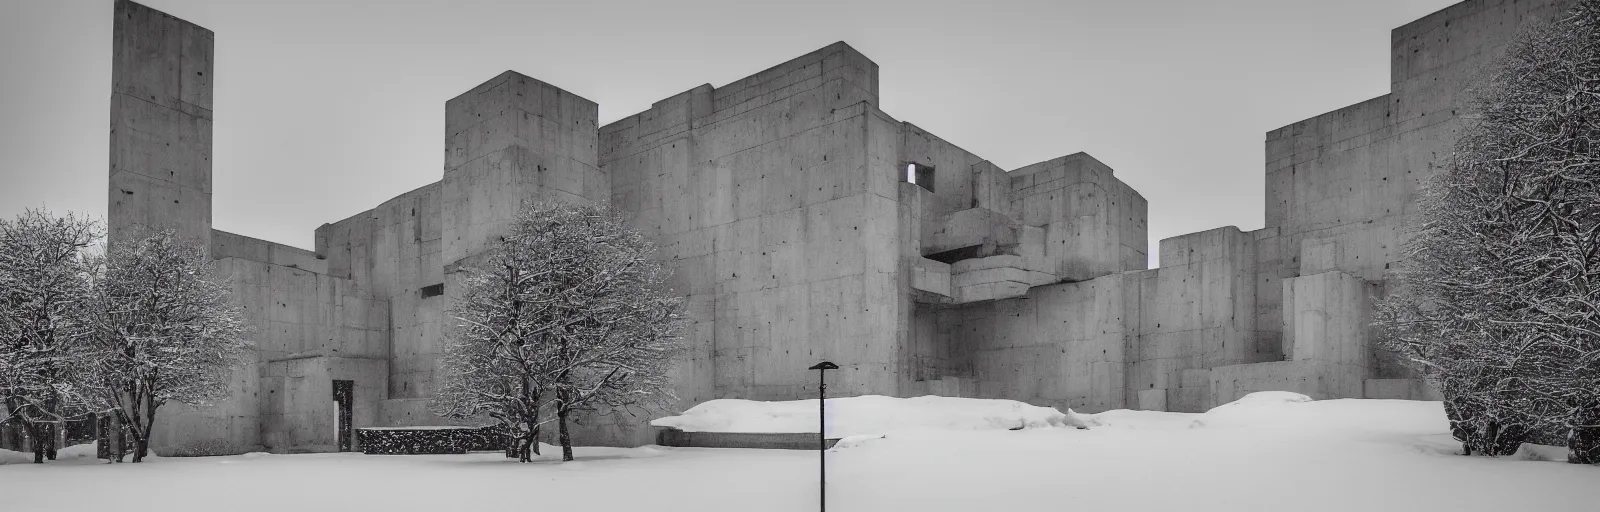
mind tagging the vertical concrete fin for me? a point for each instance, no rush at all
(161, 73)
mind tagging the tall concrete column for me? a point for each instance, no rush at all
(511, 139)
(161, 72)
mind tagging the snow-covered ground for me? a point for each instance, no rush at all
(1272, 452)
(870, 415)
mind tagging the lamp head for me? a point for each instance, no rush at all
(825, 365)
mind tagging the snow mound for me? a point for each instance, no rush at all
(1268, 398)
(83, 451)
(14, 457)
(869, 415)
(854, 441)
(74, 452)
(1541, 453)
(1294, 412)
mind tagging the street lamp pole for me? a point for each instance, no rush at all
(822, 423)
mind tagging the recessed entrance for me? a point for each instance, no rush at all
(343, 393)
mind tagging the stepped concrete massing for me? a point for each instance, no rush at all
(805, 224)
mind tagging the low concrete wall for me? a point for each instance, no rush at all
(788, 441)
(1400, 389)
(1317, 379)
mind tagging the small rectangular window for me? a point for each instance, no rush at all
(920, 175)
(433, 290)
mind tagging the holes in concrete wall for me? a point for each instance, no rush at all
(433, 290)
(920, 175)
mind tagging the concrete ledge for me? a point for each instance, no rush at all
(668, 436)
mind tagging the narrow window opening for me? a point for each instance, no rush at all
(958, 254)
(433, 290)
(920, 175)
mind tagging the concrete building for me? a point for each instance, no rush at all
(804, 223)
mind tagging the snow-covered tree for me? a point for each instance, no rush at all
(44, 290)
(166, 330)
(1497, 300)
(569, 312)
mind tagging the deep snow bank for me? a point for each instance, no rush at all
(1281, 410)
(868, 415)
(74, 452)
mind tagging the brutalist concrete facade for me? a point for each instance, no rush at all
(785, 205)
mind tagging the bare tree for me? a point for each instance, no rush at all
(1498, 301)
(44, 290)
(569, 312)
(166, 330)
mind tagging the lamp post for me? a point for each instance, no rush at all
(822, 423)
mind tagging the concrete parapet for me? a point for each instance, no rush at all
(225, 245)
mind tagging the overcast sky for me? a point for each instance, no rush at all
(326, 108)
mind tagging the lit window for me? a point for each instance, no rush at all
(920, 175)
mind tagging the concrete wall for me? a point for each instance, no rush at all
(298, 410)
(160, 175)
(1095, 223)
(781, 234)
(1197, 313)
(1340, 185)
(393, 251)
(508, 140)
(161, 72)
(1062, 345)
(780, 202)
(227, 427)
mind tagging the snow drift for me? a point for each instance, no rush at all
(869, 415)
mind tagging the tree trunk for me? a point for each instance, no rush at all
(533, 434)
(561, 419)
(511, 440)
(142, 448)
(1583, 435)
(36, 437)
(118, 437)
(50, 446)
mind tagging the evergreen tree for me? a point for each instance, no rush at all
(1497, 299)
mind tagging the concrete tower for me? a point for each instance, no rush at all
(161, 71)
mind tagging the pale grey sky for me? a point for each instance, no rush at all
(326, 108)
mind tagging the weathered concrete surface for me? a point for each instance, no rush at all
(783, 243)
(1061, 345)
(1340, 185)
(781, 203)
(298, 411)
(1317, 379)
(1400, 389)
(228, 427)
(161, 73)
(1095, 223)
(1327, 317)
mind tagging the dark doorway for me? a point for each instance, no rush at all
(343, 393)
